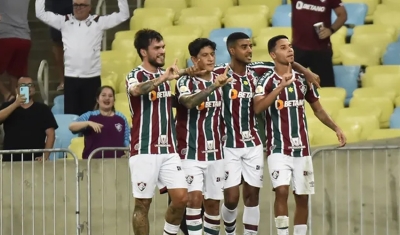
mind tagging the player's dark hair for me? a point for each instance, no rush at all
(272, 42)
(98, 93)
(198, 44)
(143, 39)
(233, 37)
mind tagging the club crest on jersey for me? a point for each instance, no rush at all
(246, 136)
(183, 89)
(259, 89)
(303, 89)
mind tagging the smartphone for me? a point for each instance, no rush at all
(24, 90)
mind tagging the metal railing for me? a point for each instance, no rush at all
(43, 80)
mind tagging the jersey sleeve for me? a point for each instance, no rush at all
(261, 67)
(312, 94)
(84, 117)
(264, 84)
(335, 4)
(220, 68)
(133, 79)
(127, 131)
(183, 87)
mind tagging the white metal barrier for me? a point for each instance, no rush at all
(39, 197)
(43, 80)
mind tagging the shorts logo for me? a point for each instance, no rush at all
(189, 179)
(275, 174)
(312, 184)
(307, 173)
(226, 175)
(183, 151)
(258, 167)
(261, 177)
(178, 168)
(218, 179)
(141, 186)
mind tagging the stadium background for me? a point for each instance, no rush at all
(365, 195)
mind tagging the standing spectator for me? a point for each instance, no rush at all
(82, 34)
(15, 43)
(103, 127)
(61, 7)
(313, 49)
(27, 125)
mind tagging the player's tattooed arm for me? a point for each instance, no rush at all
(193, 100)
(145, 87)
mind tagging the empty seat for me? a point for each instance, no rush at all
(397, 102)
(390, 18)
(208, 23)
(366, 92)
(331, 104)
(142, 14)
(388, 82)
(356, 13)
(271, 4)
(221, 4)
(248, 10)
(282, 16)
(63, 132)
(381, 69)
(185, 30)
(151, 22)
(347, 78)
(176, 5)
(58, 109)
(116, 70)
(59, 99)
(253, 21)
(125, 34)
(219, 36)
(76, 147)
(266, 34)
(260, 54)
(381, 40)
(384, 134)
(372, 4)
(123, 106)
(354, 54)
(202, 11)
(178, 43)
(338, 39)
(376, 29)
(392, 54)
(333, 92)
(360, 118)
(382, 103)
(395, 120)
(121, 97)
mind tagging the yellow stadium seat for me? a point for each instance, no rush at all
(125, 34)
(202, 11)
(265, 34)
(380, 69)
(120, 68)
(387, 82)
(397, 102)
(123, 107)
(248, 9)
(391, 3)
(110, 80)
(221, 4)
(144, 13)
(151, 22)
(260, 54)
(176, 5)
(382, 103)
(122, 87)
(208, 23)
(77, 145)
(374, 92)
(372, 4)
(353, 54)
(175, 54)
(380, 40)
(390, 18)
(384, 134)
(178, 42)
(338, 39)
(361, 120)
(271, 4)
(376, 29)
(182, 30)
(331, 104)
(253, 21)
(121, 97)
(335, 92)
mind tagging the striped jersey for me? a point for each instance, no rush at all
(286, 125)
(153, 128)
(240, 121)
(199, 134)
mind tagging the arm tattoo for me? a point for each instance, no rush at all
(145, 87)
(191, 101)
(325, 119)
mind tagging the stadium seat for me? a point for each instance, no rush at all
(266, 34)
(347, 78)
(338, 39)
(208, 23)
(372, 4)
(125, 34)
(58, 109)
(255, 22)
(248, 9)
(366, 92)
(387, 82)
(271, 4)
(176, 5)
(178, 42)
(356, 13)
(202, 11)
(260, 54)
(59, 100)
(397, 102)
(62, 132)
(76, 146)
(360, 118)
(219, 35)
(151, 22)
(141, 14)
(392, 54)
(124, 107)
(385, 104)
(376, 29)
(391, 3)
(367, 39)
(221, 4)
(390, 18)
(395, 120)
(282, 16)
(333, 92)
(182, 30)
(113, 73)
(384, 134)
(353, 54)
(381, 69)
(332, 104)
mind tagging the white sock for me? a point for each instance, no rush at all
(251, 220)
(300, 229)
(170, 229)
(229, 217)
(193, 221)
(282, 225)
(212, 224)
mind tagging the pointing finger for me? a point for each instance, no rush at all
(226, 70)
(175, 62)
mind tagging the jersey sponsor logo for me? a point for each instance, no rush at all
(246, 136)
(280, 104)
(296, 143)
(234, 94)
(163, 141)
(153, 95)
(305, 6)
(209, 104)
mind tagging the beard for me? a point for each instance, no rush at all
(154, 62)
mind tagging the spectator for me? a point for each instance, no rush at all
(15, 43)
(82, 34)
(103, 127)
(314, 50)
(61, 7)
(27, 125)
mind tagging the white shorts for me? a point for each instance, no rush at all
(299, 171)
(246, 162)
(205, 176)
(151, 170)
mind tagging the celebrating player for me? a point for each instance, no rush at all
(282, 93)
(153, 138)
(199, 141)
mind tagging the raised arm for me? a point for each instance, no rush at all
(116, 18)
(54, 20)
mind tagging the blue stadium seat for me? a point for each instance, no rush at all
(346, 77)
(392, 54)
(397, 110)
(356, 13)
(58, 109)
(282, 16)
(59, 100)
(219, 35)
(63, 133)
(395, 120)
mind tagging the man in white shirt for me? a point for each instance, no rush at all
(82, 34)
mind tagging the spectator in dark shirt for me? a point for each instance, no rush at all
(103, 127)
(27, 126)
(314, 50)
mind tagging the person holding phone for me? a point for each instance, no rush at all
(27, 124)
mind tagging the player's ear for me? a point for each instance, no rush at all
(273, 55)
(143, 52)
(231, 50)
(194, 60)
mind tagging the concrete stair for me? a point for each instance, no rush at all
(42, 44)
